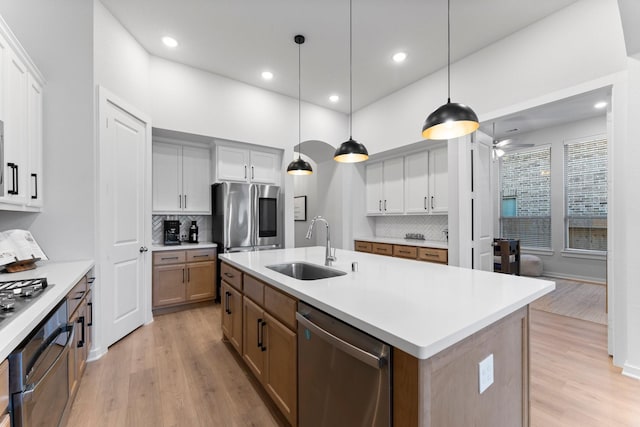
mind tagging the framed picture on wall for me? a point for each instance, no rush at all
(300, 208)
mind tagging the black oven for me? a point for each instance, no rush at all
(39, 372)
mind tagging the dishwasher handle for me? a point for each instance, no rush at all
(363, 356)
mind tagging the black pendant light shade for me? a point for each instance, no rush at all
(299, 166)
(450, 120)
(351, 151)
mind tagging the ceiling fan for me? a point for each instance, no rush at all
(501, 146)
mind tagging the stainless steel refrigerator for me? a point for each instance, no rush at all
(246, 216)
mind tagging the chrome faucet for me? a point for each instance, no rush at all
(328, 257)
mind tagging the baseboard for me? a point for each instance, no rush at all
(631, 371)
(594, 280)
(96, 354)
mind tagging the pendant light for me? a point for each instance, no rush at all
(351, 151)
(451, 120)
(299, 166)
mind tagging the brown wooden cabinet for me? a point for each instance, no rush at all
(232, 315)
(5, 420)
(419, 253)
(382, 249)
(80, 309)
(183, 276)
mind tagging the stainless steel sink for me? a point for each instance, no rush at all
(305, 270)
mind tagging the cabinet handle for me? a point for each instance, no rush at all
(252, 173)
(385, 205)
(185, 201)
(228, 274)
(166, 258)
(17, 179)
(201, 256)
(245, 171)
(81, 321)
(90, 305)
(180, 201)
(188, 275)
(431, 202)
(13, 178)
(227, 294)
(380, 205)
(35, 177)
(262, 346)
(425, 203)
(259, 333)
(183, 275)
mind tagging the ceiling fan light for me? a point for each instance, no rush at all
(299, 167)
(499, 152)
(450, 120)
(351, 151)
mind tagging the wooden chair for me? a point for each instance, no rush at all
(506, 256)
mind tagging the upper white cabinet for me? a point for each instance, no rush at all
(21, 101)
(181, 178)
(438, 181)
(416, 183)
(384, 187)
(246, 165)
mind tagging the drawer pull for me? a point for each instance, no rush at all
(228, 274)
(167, 258)
(201, 256)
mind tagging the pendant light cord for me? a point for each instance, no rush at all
(350, 74)
(299, 104)
(448, 51)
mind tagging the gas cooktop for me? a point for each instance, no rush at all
(16, 295)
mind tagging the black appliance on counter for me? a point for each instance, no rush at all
(171, 232)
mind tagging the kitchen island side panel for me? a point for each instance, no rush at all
(444, 389)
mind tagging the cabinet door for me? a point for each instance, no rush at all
(201, 281)
(34, 130)
(15, 132)
(438, 181)
(393, 186)
(196, 180)
(72, 360)
(169, 285)
(373, 174)
(81, 347)
(232, 164)
(416, 183)
(253, 349)
(264, 167)
(232, 315)
(167, 177)
(280, 378)
(88, 326)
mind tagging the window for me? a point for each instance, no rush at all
(526, 197)
(585, 181)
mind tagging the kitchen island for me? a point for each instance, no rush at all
(441, 322)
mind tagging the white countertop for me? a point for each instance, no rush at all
(420, 308)
(184, 245)
(410, 242)
(61, 277)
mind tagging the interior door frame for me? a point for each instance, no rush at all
(105, 97)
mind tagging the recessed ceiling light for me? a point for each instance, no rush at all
(169, 41)
(399, 57)
(334, 98)
(267, 75)
(600, 104)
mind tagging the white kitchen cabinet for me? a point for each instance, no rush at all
(246, 165)
(385, 187)
(181, 179)
(438, 181)
(416, 183)
(21, 99)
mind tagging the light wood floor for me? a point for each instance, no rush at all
(572, 298)
(177, 372)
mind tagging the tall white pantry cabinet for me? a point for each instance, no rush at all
(21, 99)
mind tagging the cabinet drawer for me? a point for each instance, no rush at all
(75, 295)
(196, 255)
(405, 251)
(231, 275)
(168, 257)
(433, 255)
(4, 386)
(363, 246)
(382, 249)
(254, 289)
(281, 306)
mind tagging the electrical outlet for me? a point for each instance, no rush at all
(485, 373)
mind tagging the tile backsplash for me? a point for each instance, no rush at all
(432, 226)
(203, 221)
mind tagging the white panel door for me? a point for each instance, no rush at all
(123, 151)
(373, 178)
(438, 181)
(393, 186)
(167, 177)
(482, 204)
(15, 131)
(232, 164)
(264, 167)
(196, 180)
(416, 183)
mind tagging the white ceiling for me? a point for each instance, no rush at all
(241, 38)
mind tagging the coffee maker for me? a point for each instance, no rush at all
(171, 232)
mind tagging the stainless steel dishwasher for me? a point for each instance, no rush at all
(344, 375)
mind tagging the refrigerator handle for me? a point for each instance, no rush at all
(255, 196)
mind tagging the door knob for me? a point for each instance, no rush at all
(143, 249)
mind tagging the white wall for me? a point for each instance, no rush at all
(306, 185)
(559, 264)
(58, 36)
(578, 44)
